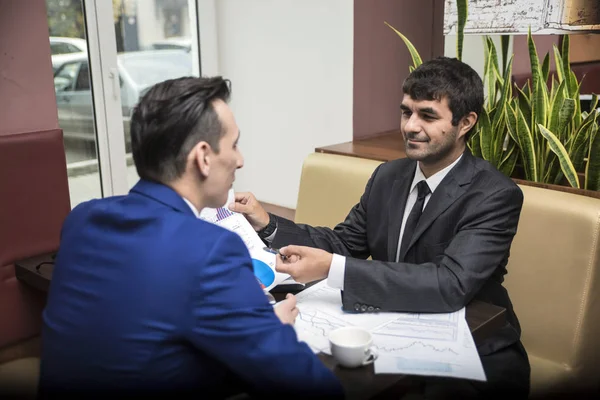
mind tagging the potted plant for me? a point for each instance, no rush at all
(537, 134)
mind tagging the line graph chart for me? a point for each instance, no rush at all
(313, 327)
(415, 329)
(416, 344)
(436, 344)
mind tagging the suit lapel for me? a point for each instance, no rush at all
(450, 189)
(397, 203)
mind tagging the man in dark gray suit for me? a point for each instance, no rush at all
(438, 225)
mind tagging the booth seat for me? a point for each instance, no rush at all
(34, 201)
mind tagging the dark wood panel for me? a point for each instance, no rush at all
(383, 147)
(284, 212)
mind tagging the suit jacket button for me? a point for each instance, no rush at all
(377, 308)
(363, 308)
(356, 307)
(370, 309)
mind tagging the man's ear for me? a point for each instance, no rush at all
(201, 156)
(466, 123)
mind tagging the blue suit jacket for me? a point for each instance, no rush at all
(145, 296)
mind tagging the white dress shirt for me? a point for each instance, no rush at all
(189, 203)
(337, 270)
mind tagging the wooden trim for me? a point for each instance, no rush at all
(31, 347)
(284, 212)
(566, 189)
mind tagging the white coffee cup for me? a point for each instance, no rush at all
(352, 346)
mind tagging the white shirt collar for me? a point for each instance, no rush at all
(189, 203)
(434, 180)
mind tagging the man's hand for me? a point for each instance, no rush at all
(304, 264)
(286, 310)
(246, 203)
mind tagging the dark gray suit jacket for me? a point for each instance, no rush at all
(458, 252)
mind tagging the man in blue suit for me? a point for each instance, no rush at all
(148, 299)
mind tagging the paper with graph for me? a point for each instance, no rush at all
(263, 262)
(407, 343)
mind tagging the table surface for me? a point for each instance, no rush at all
(359, 383)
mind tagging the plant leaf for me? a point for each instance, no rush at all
(565, 116)
(557, 106)
(527, 146)
(580, 142)
(594, 102)
(540, 103)
(505, 95)
(559, 65)
(592, 169)
(507, 165)
(416, 58)
(566, 63)
(511, 121)
(504, 41)
(462, 8)
(534, 61)
(546, 67)
(563, 157)
(524, 103)
(474, 143)
(486, 137)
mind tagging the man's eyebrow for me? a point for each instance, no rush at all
(404, 108)
(428, 110)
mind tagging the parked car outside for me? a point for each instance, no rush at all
(138, 71)
(172, 43)
(67, 45)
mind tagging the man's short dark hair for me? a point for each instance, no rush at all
(172, 118)
(449, 78)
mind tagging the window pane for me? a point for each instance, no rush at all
(74, 97)
(154, 43)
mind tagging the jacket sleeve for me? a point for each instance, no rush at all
(232, 321)
(348, 238)
(480, 246)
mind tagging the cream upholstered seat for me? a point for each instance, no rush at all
(19, 378)
(553, 272)
(330, 186)
(553, 280)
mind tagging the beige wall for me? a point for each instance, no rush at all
(290, 64)
(27, 100)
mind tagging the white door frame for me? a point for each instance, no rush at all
(102, 53)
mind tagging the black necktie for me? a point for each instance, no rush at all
(415, 214)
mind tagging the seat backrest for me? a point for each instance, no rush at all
(330, 186)
(34, 201)
(553, 278)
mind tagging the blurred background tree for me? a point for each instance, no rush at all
(65, 18)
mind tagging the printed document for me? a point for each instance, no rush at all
(237, 223)
(407, 343)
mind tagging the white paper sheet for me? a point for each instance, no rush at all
(407, 343)
(237, 223)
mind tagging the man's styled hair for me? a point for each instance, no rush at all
(172, 118)
(449, 78)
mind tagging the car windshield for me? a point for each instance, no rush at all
(149, 68)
